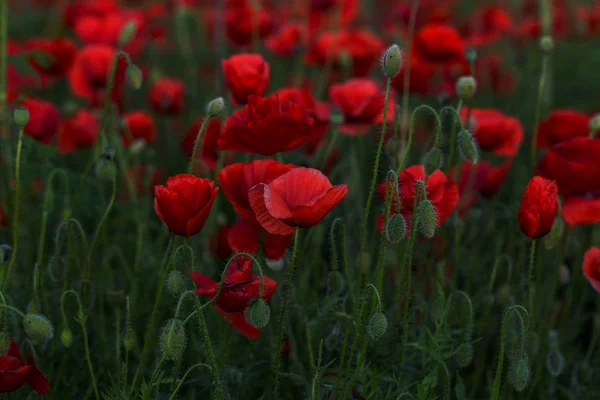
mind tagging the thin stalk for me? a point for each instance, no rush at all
(530, 275)
(196, 143)
(453, 136)
(406, 83)
(174, 394)
(538, 104)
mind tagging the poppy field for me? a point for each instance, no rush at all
(324, 199)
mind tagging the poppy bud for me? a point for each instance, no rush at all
(520, 372)
(391, 61)
(555, 234)
(258, 314)
(215, 107)
(175, 283)
(467, 147)
(21, 116)
(129, 340)
(466, 86)
(335, 283)
(173, 339)
(377, 326)
(396, 228)
(127, 33)
(38, 327)
(471, 54)
(555, 363)
(427, 218)
(66, 337)
(433, 160)
(547, 44)
(134, 76)
(464, 355)
(595, 123)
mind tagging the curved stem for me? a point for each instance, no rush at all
(174, 394)
(538, 104)
(411, 131)
(11, 308)
(376, 292)
(196, 143)
(336, 222)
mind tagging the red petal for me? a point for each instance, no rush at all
(581, 211)
(269, 222)
(204, 285)
(239, 322)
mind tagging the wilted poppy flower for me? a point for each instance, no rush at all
(78, 132)
(440, 45)
(287, 40)
(57, 56)
(244, 237)
(361, 101)
(482, 178)
(14, 373)
(138, 125)
(581, 210)
(538, 207)
(591, 267)
(208, 148)
(562, 125)
(487, 25)
(301, 198)
(44, 119)
(245, 74)
(573, 165)
(237, 179)
(166, 96)
(266, 126)
(494, 131)
(184, 203)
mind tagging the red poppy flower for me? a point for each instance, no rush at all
(184, 203)
(361, 101)
(581, 210)
(538, 207)
(322, 15)
(44, 119)
(442, 192)
(208, 148)
(244, 237)
(482, 178)
(14, 373)
(74, 11)
(494, 131)
(266, 126)
(573, 165)
(488, 25)
(562, 125)
(58, 54)
(245, 75)
(237, 179)
(89, 74)
(78, 132)
(362, 47)
(138, 125)
(301, 197)
(287, 40)
(166, 96)
(241, 20)
(591, 267)
(439, 44)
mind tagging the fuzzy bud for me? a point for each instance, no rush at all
(555, 234)
(127, 33)
(520, 372)
(466, 86)
(395, 229)
(175, 283)
(129, 340)
(258, 314)
(134, 76)
(66, 337)
(173, 339)
(595, 123)
(467, 147)
(464, 355)
(555, 363)
(38, 327)
(547, 44)
(377, 326)
(433, 160)
(335, 283)
(215, 107)
(427, 218)
(21, 116)
(391, 61)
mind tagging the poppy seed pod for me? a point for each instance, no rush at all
(427, 218)
(520, 373)
(134, 76)
(173, 339)
(258, 314)
(547, 44)
(21, 116)
(391, 61)
(175, 283)
(467, 147)
(433, 160)
(396, 228)
(466, 86)
(127, 33)
(377, 326)
(38, 327)
(215, 107)
(464, 355)
(66, 337)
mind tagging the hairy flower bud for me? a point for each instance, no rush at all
(134, 76)
(377, 326)
(427, 218)
(547, 44)
(173, 339)
(215, 107)
(175, 283)
(466, 86)
(467, 147)
(38, 327)
(258, 314)
(391, 61)
(395, 229)
(433, 160)
(464, 355)
(555, 363)
(66, 337)
(520, 373)
(127, 33)
(21, 116)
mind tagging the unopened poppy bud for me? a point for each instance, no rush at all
(466, 86)
(4, 343)
(467, 147)
(433, 160)
(555, 363)
(555, 234)
(173, 339)
(275, 265)
(335, 283)
(503, 294)
(175, 283)
(66, 337)
(21, 116)
(129, 340)
(520, 373)
(395, 229)
(427, 218)
(258, 314)
(595, 123)
(464, 355)
(391, 61)
(215, 107)
(38, 327)
(377, 326)
(134, 76)
(471, 54)
(127, 33)
(547, 44)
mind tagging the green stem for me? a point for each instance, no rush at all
(210, 354)
(154, 375)
(7, 307)
(196, 143)
(281, 317)
(406, 84)
(536, 123)
(530, 286)
(411, 131)
(174, 394)
(453, 136)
